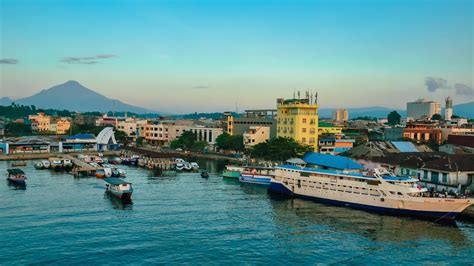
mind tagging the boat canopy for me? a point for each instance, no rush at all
(116, 181)
(15, 171)
(331, 161)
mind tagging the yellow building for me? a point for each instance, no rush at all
(62, 125)
(298, 120)
(40, 122)
(327, 128)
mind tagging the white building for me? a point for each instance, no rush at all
(340, 116)
(206, 133)
(131, 126)
(423, 109)
(448, 112)
(255, 135)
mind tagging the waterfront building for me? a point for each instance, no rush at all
(60, 125)
(340, 116)
(255, 135)
(446, 131)
(251, 118)
(206, 132)
(335, 144)
(131, 126)
(448, 111)
(106, 120)
(422, 109)
(298, 120)
(163, 132)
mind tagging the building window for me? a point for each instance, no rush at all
(425, 175)
(445, 178)
(304, 130)
(304, 120)
(303, 140)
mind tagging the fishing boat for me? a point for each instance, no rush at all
(257, 175)
(232, 171)
(16, 175)
(66, 163)
(18, 163)
(55, 163)
(340, 181)
(204, 174)
(122, 173)
(43, 164)
(119, 188)
(100, 173)
(188, 166)
(195, 166)
(141, 162)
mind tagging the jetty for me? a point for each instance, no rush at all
(80, 167)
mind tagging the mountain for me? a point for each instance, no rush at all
(374, 111)
(464, 110)
(5, 101)
(75, 97)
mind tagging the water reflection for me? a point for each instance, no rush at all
(15, 186)
(118, 204)
(375, 227)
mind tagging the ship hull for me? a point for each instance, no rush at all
(448, 216)
(255, 179)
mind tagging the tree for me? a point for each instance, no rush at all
(17, 129)
(394, 118)
(455, 116)
(227, 142)
(186, 140)
(223, 141)
(279, 149)
(437, 117)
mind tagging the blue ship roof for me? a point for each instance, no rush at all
(404, 146)
(81, 136)
(331, 161)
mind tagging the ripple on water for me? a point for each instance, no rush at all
(59, 219)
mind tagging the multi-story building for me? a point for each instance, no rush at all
(423, 132)
(40, 122)
(255, 135)
(298, 120)
(448, 111)
(45, 123)
(207, 133)
(340, 116)
(80, 119)
(262, 118)
(328, 128)
(106, 120)
(423, 109)
(335, 144)
(131, 126)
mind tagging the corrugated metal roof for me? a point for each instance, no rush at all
(404, 146)
(331, 161)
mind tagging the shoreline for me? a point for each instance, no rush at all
(37, 156)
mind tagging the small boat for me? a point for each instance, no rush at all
(232, 172)
(100, 173)
(180, 166)
(43, 164)
(121, 172)
(187, 166)
(195, 166)
(18, 163)
(115, 172)
(66, 163)
(204, 174)
(56, 163)
(17, 176)
(119, 188)
(141, 162)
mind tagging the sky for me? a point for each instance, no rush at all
(199, 56)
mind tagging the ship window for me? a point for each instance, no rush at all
(400, 194)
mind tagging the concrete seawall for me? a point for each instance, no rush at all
(36, 156)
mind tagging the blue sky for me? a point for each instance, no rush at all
(183, 56)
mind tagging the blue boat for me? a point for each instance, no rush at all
(257, 175)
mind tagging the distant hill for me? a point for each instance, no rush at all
(75, 97)
(464, 110)
(374, 111)
(5, 101)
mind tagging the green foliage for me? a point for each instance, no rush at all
(279, 149)
(17, 129)
(394, 118)
(187, 140)
(455, 116)
(121, 136)
(175, 144)
(91, 129)
(199, 145)
(139, 141)
(437, 117)
(228, 142)
(365, 118)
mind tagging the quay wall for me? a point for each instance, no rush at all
(36, 156)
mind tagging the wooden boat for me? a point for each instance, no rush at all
(66, 163)
(204, 174)
(195, 166)
(119, 188)
(257, 175)
(17, 176)
(100, 173)
(18, 163)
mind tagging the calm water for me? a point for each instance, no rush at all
(59, 219)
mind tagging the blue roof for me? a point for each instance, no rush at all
(404, 146)
(81, 136)
(331, 161)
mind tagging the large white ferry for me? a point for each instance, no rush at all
(376, 191)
